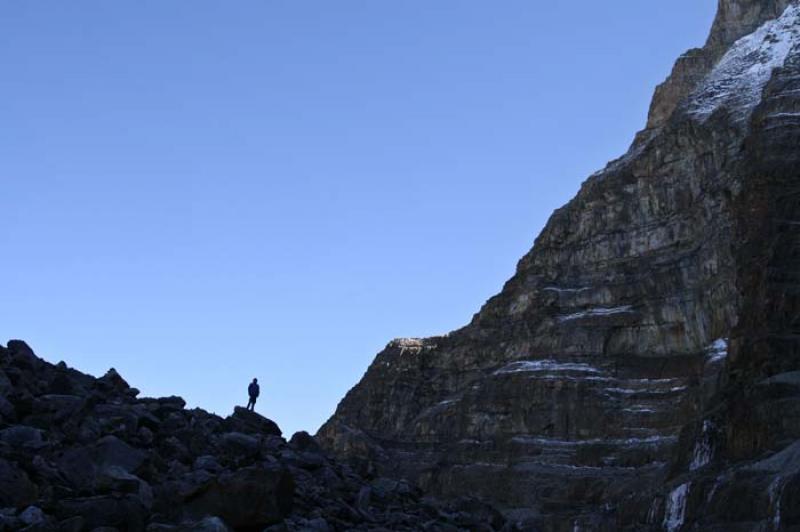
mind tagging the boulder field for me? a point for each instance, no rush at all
(79, 453)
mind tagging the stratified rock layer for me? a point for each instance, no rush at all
(85, 454)
(642, 363)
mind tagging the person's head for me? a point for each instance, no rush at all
(255, 380)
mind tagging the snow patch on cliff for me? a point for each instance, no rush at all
(644, 391)
(676, 508)
(600, 311)
(624, 442)
(546, 365)
(775, 492)
(718, 350)
(565, 290)
(737, 81)
(703, 449)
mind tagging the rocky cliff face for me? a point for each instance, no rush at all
(85, 454)
(640, 370)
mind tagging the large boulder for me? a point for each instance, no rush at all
(303, 441)
(123, 512)
(250, 497)
(22, 355)
(244, 420)
(83, 465)
(112, 380)
(5, 384)
(16, 489)
(23, 436)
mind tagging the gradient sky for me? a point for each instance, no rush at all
(199, 192)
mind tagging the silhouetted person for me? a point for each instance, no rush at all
(253, 390)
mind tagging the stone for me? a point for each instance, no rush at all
(318, 525)
(124, 512)
(114, 380)
(33, 515)
(238, 443)
(16, 488)
(23, 436)
(5, 384)
(303, 441)
(116, 479)
(208, 463)
(72, 524)
(22, 354)
(246, 421)
(250, 497)
(7, 411)
(111, 451)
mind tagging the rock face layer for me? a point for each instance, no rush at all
(641, 367)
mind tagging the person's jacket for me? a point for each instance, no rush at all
(253, 389)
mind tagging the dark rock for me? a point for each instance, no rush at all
(60, 406)
(22, 355)
(23, 436)
(237, 443)
(5, 384)
(303, 441)
(111, 451)
(113, 380)
(125, 512)
(33, 516)
(255, 496)
(7, 412)
(16, 489)
(72, 524)
(208, 463)
(115, 479)
(246, 421)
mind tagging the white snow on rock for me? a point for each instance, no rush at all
(624, 442)
(640, 410)
(600, 311)
(676, 508)
(546, 365)
(643, 391)
(718, 350)
(703, 449)
(737, 81)
(565, 290)
(775, 492)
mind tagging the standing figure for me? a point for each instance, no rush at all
(253, 390)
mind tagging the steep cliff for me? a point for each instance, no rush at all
(642, 363)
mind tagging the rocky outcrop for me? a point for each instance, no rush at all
(735, 19)
(639, 370)
(85, 454)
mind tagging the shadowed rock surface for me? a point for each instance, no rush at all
(82, 454)
(640, 371)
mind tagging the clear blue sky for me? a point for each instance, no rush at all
(200, 192)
